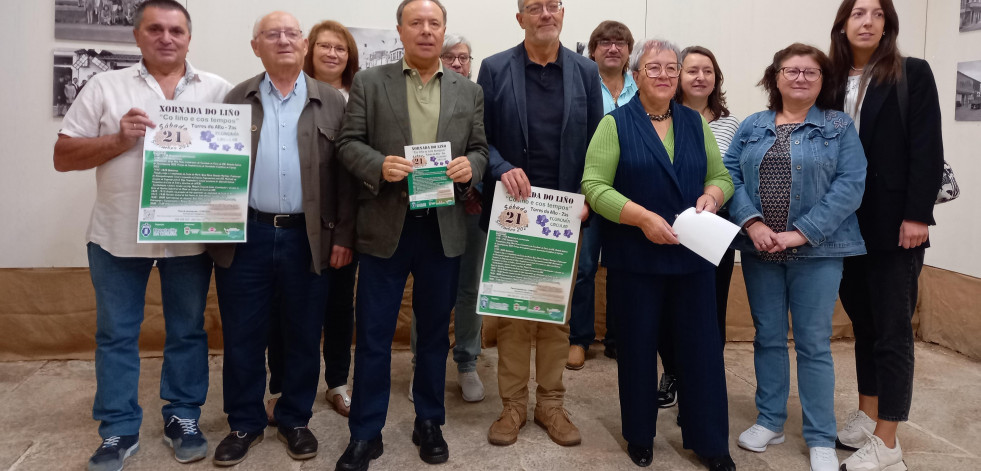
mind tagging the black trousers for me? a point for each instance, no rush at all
(878, 292)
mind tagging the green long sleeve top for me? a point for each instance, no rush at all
(603, 156)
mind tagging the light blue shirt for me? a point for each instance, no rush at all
(629, 90)
(276, 185)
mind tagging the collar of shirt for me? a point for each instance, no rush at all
(299, 87)
(406, 70)
(190, 75)
(626, 94)
(528, 62)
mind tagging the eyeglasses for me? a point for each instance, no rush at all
(810, 74)
(536, 9)
(326, 47)
(449, 58)
(605, 43)
(654, 70)
(292, 35)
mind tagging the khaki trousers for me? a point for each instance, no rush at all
(514, 338)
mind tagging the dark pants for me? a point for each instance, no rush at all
(380, 288)
(685, 306)
(338, 330)
(878, 292)
(723, 275)
(582, 329)
(273, 260)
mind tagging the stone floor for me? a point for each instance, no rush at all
(45, 420)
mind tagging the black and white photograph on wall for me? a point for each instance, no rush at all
(74, 69)
(377, 46)
(96, 20)
(970, 15)
(968, 106)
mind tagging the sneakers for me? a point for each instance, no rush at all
(113, 452)
(412, 379)
(824, 459)
(184, 436)
(875, 456)
(757, 437)
(471, 386)
(855, 433)
(667, 391)
(555, 420)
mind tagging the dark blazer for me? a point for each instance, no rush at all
(502, 76)
(377, 125)
(905, 164)
(328, 189)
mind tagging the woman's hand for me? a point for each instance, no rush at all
(764, 239)
(788, 240)
(706, 202)
(912, 234)
(657, 230)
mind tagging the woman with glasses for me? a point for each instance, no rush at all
(799, 173)
(648, 161)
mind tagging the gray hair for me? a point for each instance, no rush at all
(652, 44)
(451, 40)
(521, 5)
(398, 13)
(258, 23)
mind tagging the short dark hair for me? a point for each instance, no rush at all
(352, 66)
(170, 5)
(716, 99)
(398, 13)
(825, 99)
(611, 30)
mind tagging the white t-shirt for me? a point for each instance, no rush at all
(96, 112)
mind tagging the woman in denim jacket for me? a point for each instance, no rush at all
(799, 174)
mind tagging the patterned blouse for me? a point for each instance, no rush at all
(776, 172)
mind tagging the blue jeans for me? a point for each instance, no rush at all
(466, 322)
(120, 292)
(808, 289)
(582, 330)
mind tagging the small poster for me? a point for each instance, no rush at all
(429, 187)
(195, 184)
(530, 256)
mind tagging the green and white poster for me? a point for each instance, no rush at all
(429, 187)
(530, 256)
(195, 185)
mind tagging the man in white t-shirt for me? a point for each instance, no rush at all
(104, 130)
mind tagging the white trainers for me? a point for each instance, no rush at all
(875, 456)
(471, 386)
(757, 437)
(411, 380)
(855, 433)
(824, 459)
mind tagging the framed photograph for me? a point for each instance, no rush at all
(968, 106)
(970, 15)
(95, 20)
(73, 70)
(377, 46)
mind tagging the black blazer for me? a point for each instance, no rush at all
(905, 163)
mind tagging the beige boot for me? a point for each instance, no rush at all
(555, 420)
(577, 358)
(504, 430)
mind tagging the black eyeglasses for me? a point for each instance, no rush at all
(654, 70)
(449, 58)
(810, 74)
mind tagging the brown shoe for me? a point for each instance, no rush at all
(504, 430)
(577, 358)
(555, 421)
(340, 399)
(270, 410)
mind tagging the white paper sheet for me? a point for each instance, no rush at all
(705, 234)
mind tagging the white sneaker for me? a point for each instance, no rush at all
(470, 385)
(875, 456)
(824, 459)
(855, 432)
(757, 437)
(411, 380)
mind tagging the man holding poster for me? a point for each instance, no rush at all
(104, 130)
(408, 103)
(545, 147)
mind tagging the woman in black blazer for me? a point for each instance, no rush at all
(898, 119)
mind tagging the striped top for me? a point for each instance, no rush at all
(724, 130)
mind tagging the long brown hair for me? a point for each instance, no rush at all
(716, 99)
(885, 65)
(347, 77)
(825, 99)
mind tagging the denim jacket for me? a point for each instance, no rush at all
(827, 183)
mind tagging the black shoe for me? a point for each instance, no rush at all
(641, 455)
(359, 453)
(610, 351)
(432, 448)
(234, 447)
(678, 420)
(720, 463)
(667, 391)
(300, 442)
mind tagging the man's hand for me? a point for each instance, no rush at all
(516, 183)
(339, 256)
(912, 234)
(459, 170)
(657, 230)
(396, 168)
(132, 126)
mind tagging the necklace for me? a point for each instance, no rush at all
(857, 70)
(660, 117)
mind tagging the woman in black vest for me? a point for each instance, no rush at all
(898, 120)
(648, 161)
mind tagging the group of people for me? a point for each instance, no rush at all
(833, 186)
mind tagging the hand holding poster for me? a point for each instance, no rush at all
(530, 255)
(195, 185)
(429, 187)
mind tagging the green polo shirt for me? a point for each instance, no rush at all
(423, 101)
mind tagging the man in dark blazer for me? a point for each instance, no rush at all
(301, 219)
(413, 101)
(546, 147)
